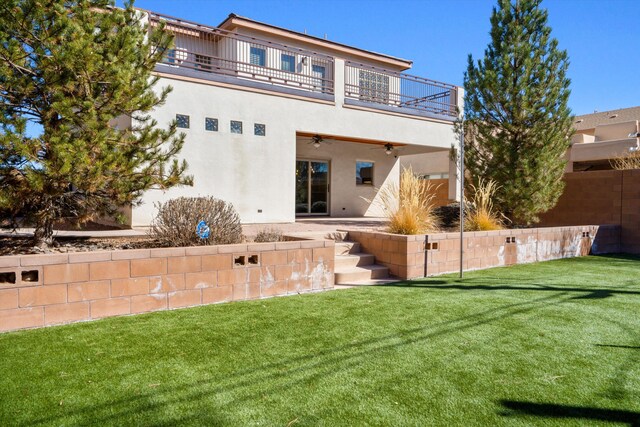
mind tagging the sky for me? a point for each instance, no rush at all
(602, 37)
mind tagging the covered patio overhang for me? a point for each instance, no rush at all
(341, 176)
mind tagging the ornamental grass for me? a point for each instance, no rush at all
(483, 216)
(409, 205)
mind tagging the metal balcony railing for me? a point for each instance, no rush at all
(391, 90)
(213, 51)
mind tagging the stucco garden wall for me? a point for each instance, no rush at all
(409, 257)
(42, 290)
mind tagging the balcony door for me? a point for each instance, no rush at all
(312, 187)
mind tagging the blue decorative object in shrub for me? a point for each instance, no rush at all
(202, 230)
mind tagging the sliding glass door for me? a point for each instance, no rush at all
(312, 187)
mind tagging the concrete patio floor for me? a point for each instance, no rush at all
(302, 227)
(319, 226)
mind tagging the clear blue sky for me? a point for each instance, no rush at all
(602, 37)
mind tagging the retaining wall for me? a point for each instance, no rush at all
(410, 257)
(41, 290)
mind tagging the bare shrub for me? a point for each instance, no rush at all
(269, 235)
(482, 216)
(409, 206)
(176, 222)
(627, 161)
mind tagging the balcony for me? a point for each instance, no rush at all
(391, 91)
(219, 55)
(215, 54)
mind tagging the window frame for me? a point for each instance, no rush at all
(359, 176)
(260, 53)
(290, 61)
(212, 120)
(188, 126)
(231, 127)
(255, 129)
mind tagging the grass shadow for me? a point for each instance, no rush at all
(551, 410)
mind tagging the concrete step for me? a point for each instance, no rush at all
(338, 236)
(360, 274)
(353, 260)
(345, 248)
(370, 282)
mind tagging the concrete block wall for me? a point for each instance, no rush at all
(409, 257)
(440, 191)
(601, 197)
(42, 290)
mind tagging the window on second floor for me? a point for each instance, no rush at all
(287, 62)
(319, 72)
(258, 56)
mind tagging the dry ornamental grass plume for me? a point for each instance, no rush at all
(176, 222)
(627, 161)
(409, 206)
(482, 216)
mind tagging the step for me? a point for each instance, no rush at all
(344, 248)
(353, 260)
(359, 274)
(370, 282)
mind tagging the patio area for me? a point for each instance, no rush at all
(302, 227)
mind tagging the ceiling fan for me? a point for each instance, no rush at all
(388, 149)
(317, 140)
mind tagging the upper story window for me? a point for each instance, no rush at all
(374, 86)
(287, 62)
(319, 72)
(176, 56)
(258, 56)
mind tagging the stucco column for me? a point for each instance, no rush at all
(339, 81)
(454, 167)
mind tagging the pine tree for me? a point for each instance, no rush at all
(518, 123)
(71, 68)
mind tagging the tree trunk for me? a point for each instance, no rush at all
(43, 234)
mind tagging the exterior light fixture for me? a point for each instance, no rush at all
(388, 149)
(316, 140)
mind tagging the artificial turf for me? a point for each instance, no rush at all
(554, 343)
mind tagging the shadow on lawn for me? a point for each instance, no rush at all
(550, 410)
(240, 386)
(474, 285)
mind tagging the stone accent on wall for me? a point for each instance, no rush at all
(410, 257)
(42, 290)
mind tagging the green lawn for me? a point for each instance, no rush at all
(544, 344)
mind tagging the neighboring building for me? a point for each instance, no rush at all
(601, 137)
(283, 124)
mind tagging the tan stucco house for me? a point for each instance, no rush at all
(603, 136)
